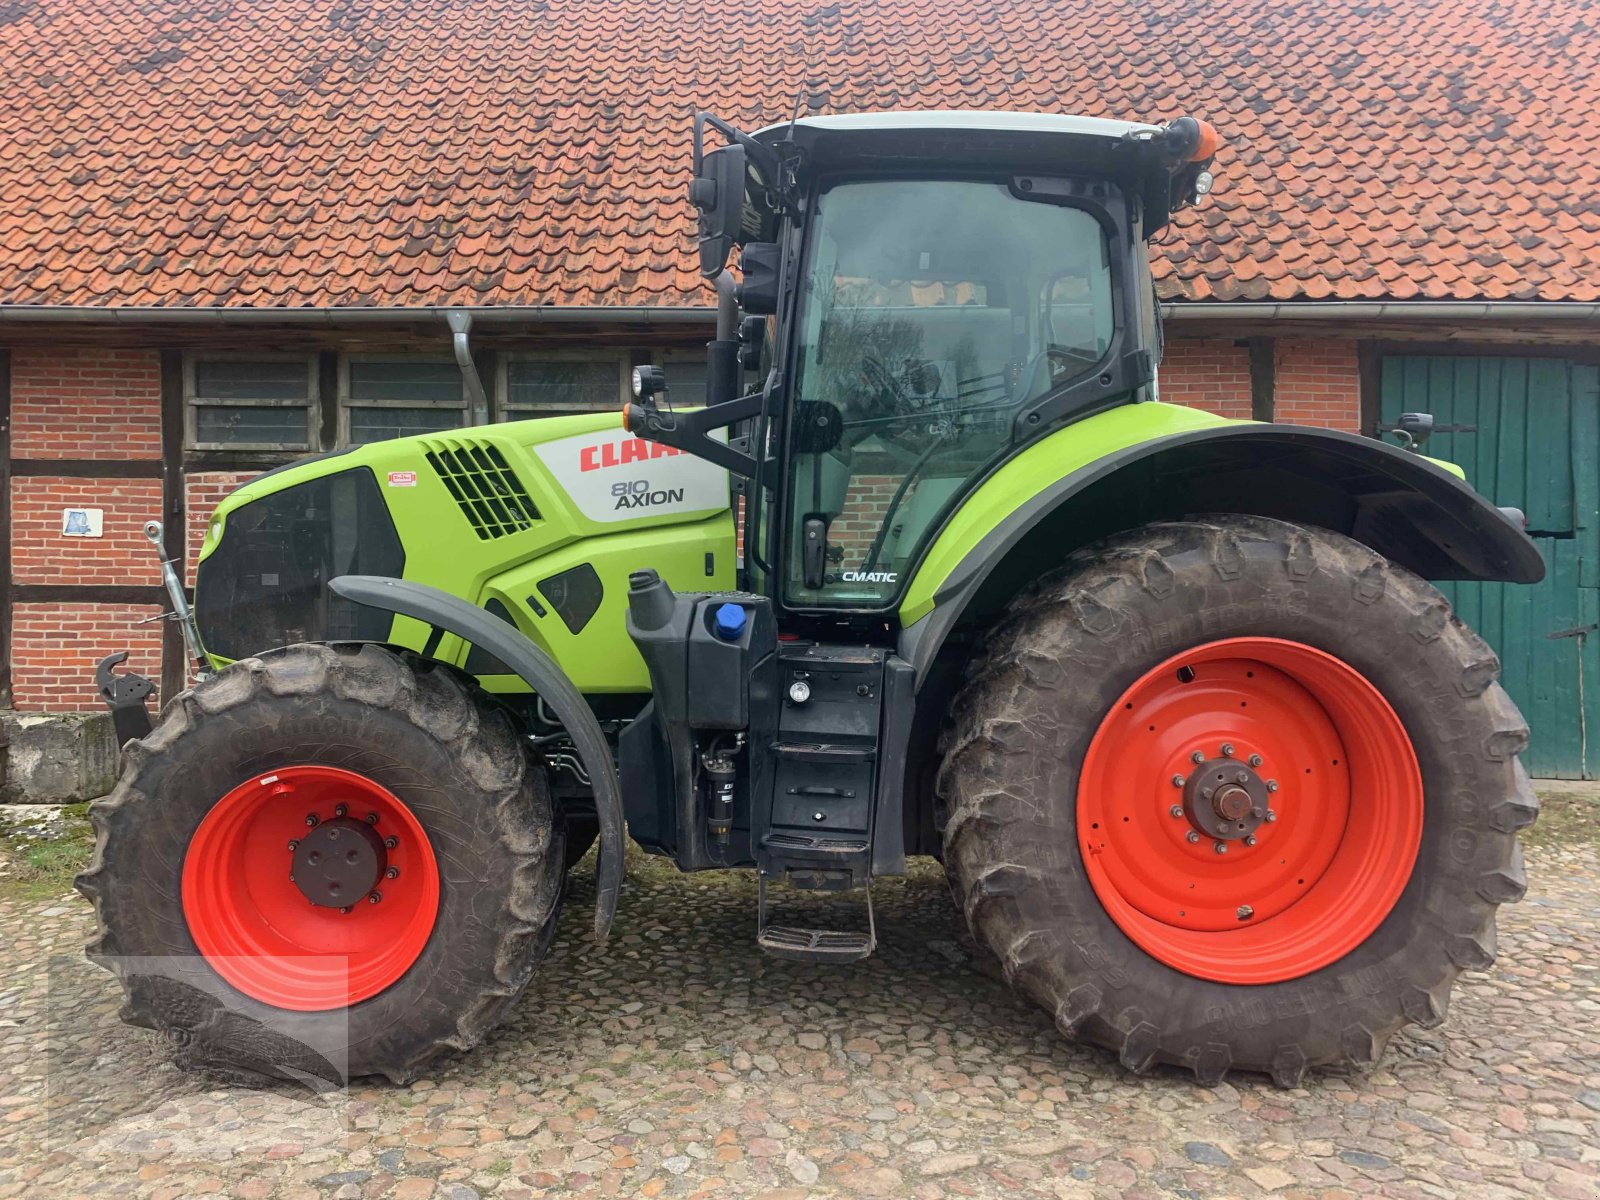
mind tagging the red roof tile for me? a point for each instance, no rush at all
(421, 152)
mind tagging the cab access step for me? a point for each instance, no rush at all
(771, 748)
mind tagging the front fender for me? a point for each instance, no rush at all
(451, 614)
(1418, 513)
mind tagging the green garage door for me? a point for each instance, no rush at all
(1527, 432)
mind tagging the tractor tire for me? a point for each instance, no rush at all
(409, 772)
(1259, 925)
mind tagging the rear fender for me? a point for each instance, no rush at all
(1418, 513)
(453, 615)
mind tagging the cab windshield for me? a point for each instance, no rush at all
(932, 312)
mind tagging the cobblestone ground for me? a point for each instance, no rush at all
(679, 1061)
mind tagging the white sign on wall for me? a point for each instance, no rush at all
(83, 522)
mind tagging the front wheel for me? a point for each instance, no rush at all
(1234, 793)
(327, 861)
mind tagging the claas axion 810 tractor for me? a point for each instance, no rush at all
(1217, 778)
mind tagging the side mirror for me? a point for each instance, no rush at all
(717, 191)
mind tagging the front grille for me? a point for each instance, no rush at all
(266, 582)
(483, 484)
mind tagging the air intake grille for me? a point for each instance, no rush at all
(490, 495)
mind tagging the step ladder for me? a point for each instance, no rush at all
(802, 944)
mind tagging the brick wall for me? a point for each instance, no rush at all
(54, 649)
(40, 553)
(83, 402)
(1209, 373)
(857, 524)
(1317, 383)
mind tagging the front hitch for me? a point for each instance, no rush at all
(125, 696)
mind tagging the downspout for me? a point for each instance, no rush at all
(460, 322)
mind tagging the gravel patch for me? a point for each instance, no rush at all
(679, 1061)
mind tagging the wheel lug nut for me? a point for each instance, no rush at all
(392, 873)
(1178, 781)
(1271, 816)
(312, 820)
(1220, 847)
(1249, 839)
(1207, 792)
(391, 841)
(1254, 760)
(1197, 757)
(339, 810)
(1175, 811)
(1227, 749)
(1192, 836)
(345, 909)
(1241, 777)
(374, 897)
(1272, 785)
(1244, 912)
(294, 844)
(372, 818)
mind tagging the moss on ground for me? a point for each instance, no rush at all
(1565, 819)
(38, 858)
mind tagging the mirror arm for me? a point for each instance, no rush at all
(691, 431)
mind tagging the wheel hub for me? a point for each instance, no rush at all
(338, 862)
(1225, 799)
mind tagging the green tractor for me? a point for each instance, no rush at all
(1218, 780)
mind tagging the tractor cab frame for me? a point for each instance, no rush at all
(939, 290)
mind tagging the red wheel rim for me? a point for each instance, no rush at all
(1305, 777)
(259, 928)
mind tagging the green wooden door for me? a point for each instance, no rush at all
(1528, 435)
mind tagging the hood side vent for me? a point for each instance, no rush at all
(485, 487)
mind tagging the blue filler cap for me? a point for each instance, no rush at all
(728, 621)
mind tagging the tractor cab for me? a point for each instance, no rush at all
(940, 290)
(931, 294)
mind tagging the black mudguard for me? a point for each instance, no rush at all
(471, 624)
(1407, 508)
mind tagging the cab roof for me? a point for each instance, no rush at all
(961, 139)
(953, 119)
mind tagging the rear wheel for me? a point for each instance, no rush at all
(325, 861)
(1235, 794)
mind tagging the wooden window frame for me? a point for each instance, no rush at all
(193, 402)
(504, 410)
(346, 403)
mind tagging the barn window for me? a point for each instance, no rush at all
(256, 402)
(397, 396)
(550, 385)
